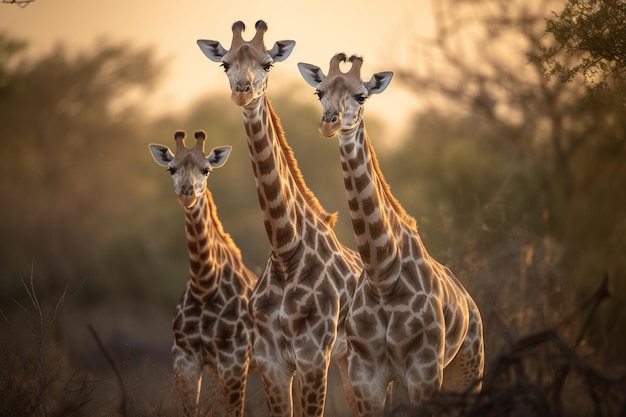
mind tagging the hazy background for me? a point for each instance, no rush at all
(321, 29)
(516, 180)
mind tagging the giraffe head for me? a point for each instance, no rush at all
(190, 167)
(342, 94)
(247, 63)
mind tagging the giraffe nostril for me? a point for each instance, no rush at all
(186, 190)
(330, 118)
(243, 88)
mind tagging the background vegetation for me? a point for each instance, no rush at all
(515, 177)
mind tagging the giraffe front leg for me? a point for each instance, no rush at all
(369, 386)
(465, 370)
(342, 365)
(313, 381)
(233, 386)
(187, 379)
(278, 391)
(277, 378)
(424, 374)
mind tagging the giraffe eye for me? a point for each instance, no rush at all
(172, 170)
(319, 94)
(267, 67)
(225, 66)
(206, 171)
(360, 98)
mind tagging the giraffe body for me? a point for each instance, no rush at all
(301, 300)
(212, 327)
(411, 321)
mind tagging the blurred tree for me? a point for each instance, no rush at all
(594, 32)
(9, 48)
(550, 154)
(67, 165)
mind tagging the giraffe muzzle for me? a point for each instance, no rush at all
(330, 125)
(187, 201)
(242, 98)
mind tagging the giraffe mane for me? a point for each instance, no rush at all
(219, 228)
(395, 204)
(292, 163)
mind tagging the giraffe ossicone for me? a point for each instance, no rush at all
(411, 322)
(212, 326)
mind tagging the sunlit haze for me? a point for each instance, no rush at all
(320, 30)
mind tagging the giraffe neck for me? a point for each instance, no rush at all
(285, 200)
(378, 220)
(209, 247)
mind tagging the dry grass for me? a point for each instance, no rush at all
(542, 374)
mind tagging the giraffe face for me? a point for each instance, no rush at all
(247, 63)
(342, 100)
(189, 168)
(342, 95)
(247, 70)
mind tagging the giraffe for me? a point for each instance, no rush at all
(300, 303)
(411, 321)
(212, 326)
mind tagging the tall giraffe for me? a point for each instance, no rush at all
(411, 321)
(300, 303)
(212, 326)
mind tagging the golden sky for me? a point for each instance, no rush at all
(374, 29)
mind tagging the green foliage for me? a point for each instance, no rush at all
(543, 161)
(595, 31)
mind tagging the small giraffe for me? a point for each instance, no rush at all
(411, 320)
(212, 326)
(300, 303)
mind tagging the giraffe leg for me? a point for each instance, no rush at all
(465, 371)
(296, 390)
(277, 381)
(424, 368)
(389, 400)
(313, 382)
(233, 386)
(342, 365)
(368, 386)
(188, 380)
(424, 384)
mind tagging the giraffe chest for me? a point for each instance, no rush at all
(219, 321)
(424, 309)
(303, 307)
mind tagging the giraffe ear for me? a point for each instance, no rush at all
(281, 50)
(378, 82)
(161, 154)
(218, 156)
(312, 74)
(212, 49)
